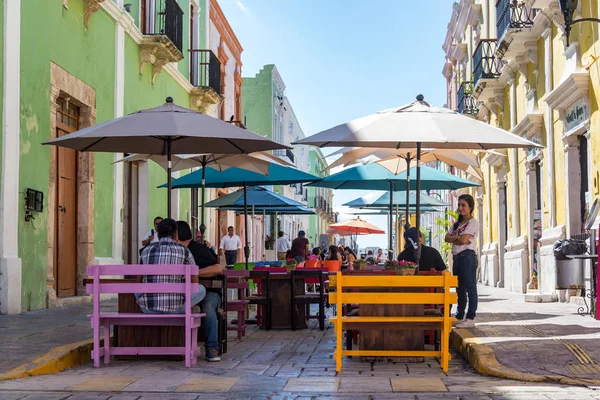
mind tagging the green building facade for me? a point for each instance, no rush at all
(66, 65)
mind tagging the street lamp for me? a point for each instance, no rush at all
(568, 7)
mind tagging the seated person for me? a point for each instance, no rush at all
(333, 253)
(288, 256)
(381, 258)
(166, 251)
(315, 255)
(371, 258)
(430, 257)
(208, 268)
(350, 256)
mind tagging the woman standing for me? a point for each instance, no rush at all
(462, 235)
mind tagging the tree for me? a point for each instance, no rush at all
(444, 224)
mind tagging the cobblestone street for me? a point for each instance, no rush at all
(281, 365)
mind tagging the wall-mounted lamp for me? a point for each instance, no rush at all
(127, 7)
(568, 7)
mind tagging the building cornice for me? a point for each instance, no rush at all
(530, 125)
(225, 31)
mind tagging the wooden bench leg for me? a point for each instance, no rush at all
(338, 344)
(96, 349)
(106, 343)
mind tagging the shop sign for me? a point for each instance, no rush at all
(575, 115)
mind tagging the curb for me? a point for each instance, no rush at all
(56, 360)
(483, 359)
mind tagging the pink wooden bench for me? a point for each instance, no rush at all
(98, 319)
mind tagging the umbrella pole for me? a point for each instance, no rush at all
(253, 239)
(264, 234)
(203, 189)
(247, 246)
(391, 239)
(407, 222)
(418, 208)
(169, 186)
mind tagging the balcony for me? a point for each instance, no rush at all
(467, 104)
(486, 65)
(512, 17)
(205, 76)
(163, 36)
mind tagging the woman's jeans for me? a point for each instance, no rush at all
(465, 268)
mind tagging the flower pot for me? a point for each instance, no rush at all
(290, 267)
(362, 267)
(406, 271)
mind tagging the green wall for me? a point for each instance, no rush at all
(257, 102)
(1, 70)
(141, 93)
(93, 64)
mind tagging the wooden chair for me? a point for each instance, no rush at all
(237, 280)
(444, 323)
(262, 298)
(309, 297)
(99, 320)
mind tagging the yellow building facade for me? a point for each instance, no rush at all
(507, 64)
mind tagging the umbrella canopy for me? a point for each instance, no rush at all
(376, 177)
(254, 196)
(256, 162)
(357, 226)
(417, 122)
(386, 211)
(236, 177)
(291, 210)
(166, 130)
(399, 199)
(398, 160)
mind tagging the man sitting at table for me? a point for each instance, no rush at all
(381, 258)
(208, 268)
(167, 251)
(430, 257)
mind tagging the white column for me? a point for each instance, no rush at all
(531, 205)
(572, 180)
(501, 185)
(514, 168)
(547, 35)
(143, 185)
(118, 195)
(10, 195)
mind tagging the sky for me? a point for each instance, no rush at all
(344, 59)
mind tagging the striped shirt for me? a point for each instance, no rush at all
(165, 251)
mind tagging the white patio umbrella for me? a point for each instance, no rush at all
(415, 126)
(166, 130)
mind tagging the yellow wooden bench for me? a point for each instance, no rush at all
(443, 323)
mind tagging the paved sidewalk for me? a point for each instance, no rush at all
(42, 337)
(533, 342)
(282, 365)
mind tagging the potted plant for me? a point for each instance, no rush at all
(290, 265)
(360, 264)
(401, 267)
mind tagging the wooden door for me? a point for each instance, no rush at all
(65, 266)
(133, 244)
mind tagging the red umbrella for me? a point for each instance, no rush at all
(356, 227)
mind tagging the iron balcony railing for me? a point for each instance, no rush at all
(486, 64)
(205, 70)
(239, 124)
(466, 102)
(168, 21)
(512, 14)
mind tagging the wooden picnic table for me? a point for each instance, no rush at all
(393, 336)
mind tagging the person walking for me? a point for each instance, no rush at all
(283, 245)
(462, 234)
(231, 244)
(300, 247)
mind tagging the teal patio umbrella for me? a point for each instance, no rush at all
(376, 177)
(399, 197)
(236, 177)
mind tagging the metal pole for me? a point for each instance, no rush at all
(253, 241)
(391, 240)
(418, 208)
(202, 226)
(247, 246)
(407, 222)
(169, 185)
